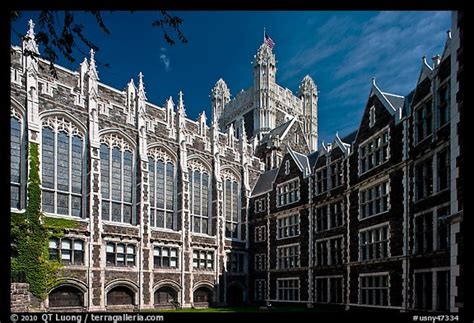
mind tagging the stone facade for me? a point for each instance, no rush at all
(316, 227)
(382, 225)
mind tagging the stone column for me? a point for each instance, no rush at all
(145, 268)
(218, 214)
(184, 213)
(96, 271)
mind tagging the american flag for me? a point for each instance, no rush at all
(268, 41)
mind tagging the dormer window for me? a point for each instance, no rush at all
(372, 116)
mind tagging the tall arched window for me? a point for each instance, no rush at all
(199, 192)
(162, 190)
(116, 169)
(231, 205)
(62, 164)
(17, 161)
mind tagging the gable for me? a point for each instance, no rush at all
(421, 91)
(382, 118)
(294, 138)
(336, 152)
(286, 173)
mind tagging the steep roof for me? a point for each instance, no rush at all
(349, 139)
(407, 103)
(302, 161)
(265, 182)
(280, 131)
(312, 158)
(395, 100)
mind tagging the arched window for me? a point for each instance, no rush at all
(165, 296)
(116, 169)
(199, 192)
(162, 190)
(62, 164)
(66, 296)
(202, 295)
(120, 295)
(17, 161)
(231, 206)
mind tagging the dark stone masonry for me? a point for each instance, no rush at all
(246, 208)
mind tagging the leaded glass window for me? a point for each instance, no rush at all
(62, 150)
(231, 208)
(117, 178)
(199, 193)
(162, 180)
(17, 160)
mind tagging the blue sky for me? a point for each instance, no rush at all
(341, 50)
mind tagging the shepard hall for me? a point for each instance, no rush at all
(144, 208)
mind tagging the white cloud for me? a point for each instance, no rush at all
(388, 46)
(165, 59)
(326, 40)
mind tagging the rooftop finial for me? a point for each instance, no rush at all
(31, 30)
(373, 80)
(181, 102)
(92, 67)
(141, 86)
(29, 40)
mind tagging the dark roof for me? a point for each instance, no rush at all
(265, 182)
(349, 139)
(312, 158)
(395, 100)
(407, 103)
(303, 161)
(276, 131)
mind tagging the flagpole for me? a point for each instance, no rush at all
(263, 33)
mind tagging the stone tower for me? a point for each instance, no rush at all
(264, 87)
(220, 96)
(308, 94)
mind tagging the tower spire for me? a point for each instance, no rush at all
(141, 86)
(29, 41)
(92, 67)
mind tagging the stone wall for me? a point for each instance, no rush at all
(20, 297)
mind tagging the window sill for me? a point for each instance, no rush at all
(204, 271)
(121, 224)
(369, 170)
(371, 261)
(69, 217)
(165, 230)
(424, 139)
(372, 216)
(203, 235)
(15, 210)
(234, 239)
(330, 229)
(121, 268)
(283, 205)
(74, 266)
(295, 236)
(163, 269)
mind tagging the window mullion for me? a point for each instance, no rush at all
(121, 184)
(110, 182)
(69, 193)
(55, 175)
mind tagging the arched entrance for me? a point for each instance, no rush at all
(66, 296)
(202, 297)
(120, 295)
(166, 297)
(235, 295)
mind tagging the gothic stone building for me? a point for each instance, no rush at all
(373, 219)
(174, 213)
